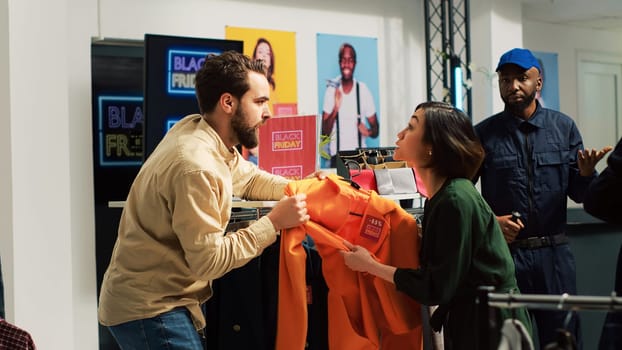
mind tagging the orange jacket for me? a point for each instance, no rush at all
(363, 310)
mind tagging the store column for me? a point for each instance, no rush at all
(496, 26)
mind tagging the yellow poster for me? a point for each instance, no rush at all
(278, 51)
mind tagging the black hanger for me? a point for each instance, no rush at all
(564, 340)
(352, 183)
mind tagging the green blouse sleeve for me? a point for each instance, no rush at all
(446, 255)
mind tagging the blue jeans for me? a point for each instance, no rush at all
(172, 330)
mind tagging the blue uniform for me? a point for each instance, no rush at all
(531, 167)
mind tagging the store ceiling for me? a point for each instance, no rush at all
(594, 14)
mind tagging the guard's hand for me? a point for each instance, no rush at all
(588, 158)
(289, 212)
(509, 228)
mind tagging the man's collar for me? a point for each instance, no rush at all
(512, 121)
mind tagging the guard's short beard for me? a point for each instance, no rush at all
(519, 107)
(247, 135)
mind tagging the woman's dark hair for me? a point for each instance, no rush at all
(269, 70)
(456, 149)
(225, 73)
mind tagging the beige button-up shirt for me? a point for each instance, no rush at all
(171, 241)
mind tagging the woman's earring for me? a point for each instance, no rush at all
(430, 153)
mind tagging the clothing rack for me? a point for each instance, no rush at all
(488, 300)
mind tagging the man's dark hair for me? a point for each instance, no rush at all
(225, 73)
(457, 151)
(343, 47)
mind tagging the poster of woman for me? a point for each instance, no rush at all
(277, 49)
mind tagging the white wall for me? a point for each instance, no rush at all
(46, 231)
(568, 42)
(47, 226)
(46, 199)
(6, 193)
(398, 24)
(495, 28)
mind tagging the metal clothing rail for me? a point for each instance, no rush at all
(244, 212)
(487, 301)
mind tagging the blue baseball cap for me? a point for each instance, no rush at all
(520, 57)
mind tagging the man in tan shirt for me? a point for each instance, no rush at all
(171, 242)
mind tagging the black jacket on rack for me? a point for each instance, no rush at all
(242, 312)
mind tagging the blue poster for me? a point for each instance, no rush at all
(348, 94)
(549, 96)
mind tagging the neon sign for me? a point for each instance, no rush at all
(120, 130)
(182, 67)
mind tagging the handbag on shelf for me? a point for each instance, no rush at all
(352, 165)
(375, 169)
(365, 178)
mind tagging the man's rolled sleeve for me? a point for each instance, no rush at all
(264, 231)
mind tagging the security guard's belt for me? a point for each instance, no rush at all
(539, 242)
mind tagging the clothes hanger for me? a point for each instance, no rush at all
(564, 339)
(613, 302)
(569, 314)
(513, 310)
(562, 300)
(352, 183)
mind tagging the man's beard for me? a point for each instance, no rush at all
(519, 107)
(247, 135)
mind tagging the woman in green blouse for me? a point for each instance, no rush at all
(462, 245)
